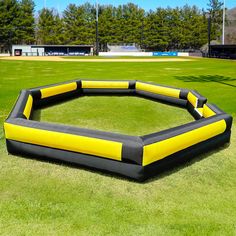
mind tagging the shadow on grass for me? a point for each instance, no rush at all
(208, 79)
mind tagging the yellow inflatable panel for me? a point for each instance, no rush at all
(192, 99)
(207, 112)
(28, 107)
(59, 89)
(159, 150)
(171, 92)
(105, 84)
(64, 141)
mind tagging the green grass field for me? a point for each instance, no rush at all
(41, 198)
(118, 116)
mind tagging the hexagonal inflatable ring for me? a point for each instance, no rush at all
(137, 157)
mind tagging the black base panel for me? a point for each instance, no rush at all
(163, 99)
(133, 171)
(186, 155)
(129, 170)
(193, 112)
(57, 99)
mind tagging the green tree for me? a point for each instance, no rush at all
(216, 13)
(162, 29)
(25, 30)
(58, 30)
(194, 28)
(119, 25)
(50, 27)
(156, 30)
(133, 16)
(79, 24)
(9, 15)
(122, 24)
(107, 29)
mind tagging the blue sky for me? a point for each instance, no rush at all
(146, 4)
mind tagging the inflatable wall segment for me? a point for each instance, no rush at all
(137, 157)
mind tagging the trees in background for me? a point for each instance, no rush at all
(50, 28)
(25, 24)
(121, 24)
(175, 28)
(16, 22)
(79, 24)
(156, 31)
(161, 29)
(9, 12)
(216, 12)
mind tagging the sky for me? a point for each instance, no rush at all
(146, 4)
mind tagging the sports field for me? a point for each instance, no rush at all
(41, 198)
(98, 59)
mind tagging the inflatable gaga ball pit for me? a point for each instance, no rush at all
(137, 157)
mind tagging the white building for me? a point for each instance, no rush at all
(52, 50)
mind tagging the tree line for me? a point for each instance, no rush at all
(160, 29)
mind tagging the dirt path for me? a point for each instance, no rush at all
(56, 58)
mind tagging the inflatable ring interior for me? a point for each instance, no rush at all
(136, 157)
